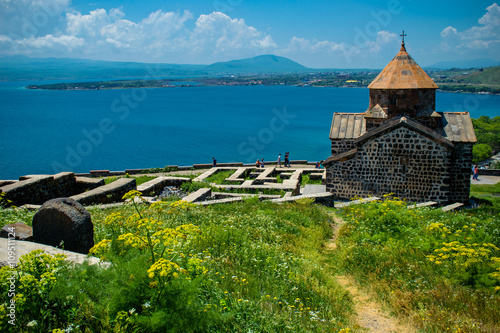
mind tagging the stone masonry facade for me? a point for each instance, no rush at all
(384, 165)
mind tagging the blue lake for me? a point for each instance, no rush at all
(50, 131)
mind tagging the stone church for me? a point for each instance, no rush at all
(401, 144)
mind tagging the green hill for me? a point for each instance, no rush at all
(259, 64)
(489, 76)
(469, 80)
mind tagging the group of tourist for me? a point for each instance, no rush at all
(260, 163)
(287, 160)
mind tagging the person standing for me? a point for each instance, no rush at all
(287, 159)
(262, 163)
(476, 172)
(257, 164)
(279, 160)
(214, 162)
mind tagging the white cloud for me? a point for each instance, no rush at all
(161, 36)
(220, 34)
(325, 53)
(28, 18)
(383, 38)
(449, 31)
(69, 42)
(305, 45)
(485, 36)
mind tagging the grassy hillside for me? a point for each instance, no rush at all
(440, 271)
(488, 76)
(470, 80)
(245, 267)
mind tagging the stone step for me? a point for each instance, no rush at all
(25, 247)
(312, 189)
(422, 204)
(452, 207)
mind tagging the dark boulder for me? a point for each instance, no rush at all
(64, 220)
(17, 231)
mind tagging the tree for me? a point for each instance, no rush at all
(480, 152)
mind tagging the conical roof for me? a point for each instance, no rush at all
(403, 73)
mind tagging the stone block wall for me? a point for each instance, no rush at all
(407, 102)
(402, 162)
(342, 145)
(460, 173)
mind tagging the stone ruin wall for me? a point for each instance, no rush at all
(401, 162)
(39, 188)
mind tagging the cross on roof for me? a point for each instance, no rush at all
(403, 35)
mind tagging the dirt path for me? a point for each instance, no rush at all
(370, 313)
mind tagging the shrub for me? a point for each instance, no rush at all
(481, 152)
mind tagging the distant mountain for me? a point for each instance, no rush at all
(475, 63)
(25, 68)
(259, 64)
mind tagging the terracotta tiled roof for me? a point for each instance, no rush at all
(457, 127)
(347, 125)
(403, 73)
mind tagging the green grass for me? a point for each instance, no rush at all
(489, 193)
(437, 269)
(485, 189)
(220, 177)
(190, 175)
(109, 180)
(306, 180)
(143, 179)
(249, 266)
(15, 215)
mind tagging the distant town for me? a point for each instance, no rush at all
(456, 80)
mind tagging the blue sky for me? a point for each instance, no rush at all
(315, 33)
